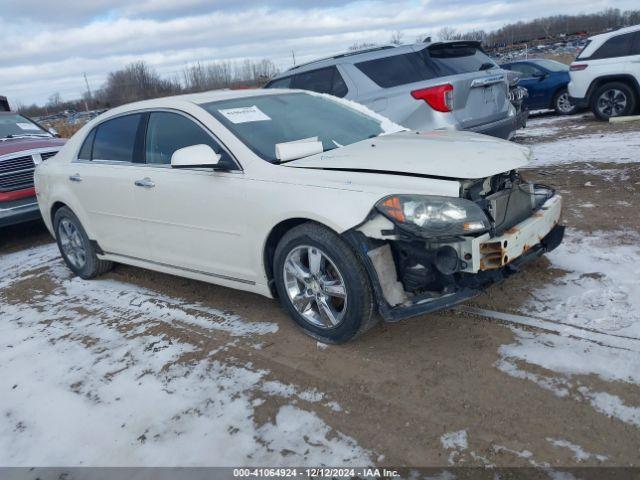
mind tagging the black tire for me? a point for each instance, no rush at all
(613, 90)
(92, 265)
(559, 104)
(359, 311)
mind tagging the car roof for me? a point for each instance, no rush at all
(613, 33)
(366, 54)
(200, 98)
(597, 40)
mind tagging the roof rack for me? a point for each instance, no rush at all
(342, 55)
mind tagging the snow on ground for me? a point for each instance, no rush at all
(620, 147)
(578, 452)
(88, 378)
(601, 292)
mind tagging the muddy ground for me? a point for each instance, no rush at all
(403, 386)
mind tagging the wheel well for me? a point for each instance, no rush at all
(54, 208)
(274, 237)
(555, 94)
(628, 80)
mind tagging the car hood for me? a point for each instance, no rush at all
(439, 153)
(15, 145)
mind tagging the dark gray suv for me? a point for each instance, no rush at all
(424, 86)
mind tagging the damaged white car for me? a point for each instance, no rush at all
(339, 213)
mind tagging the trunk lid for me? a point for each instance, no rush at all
(480, 88)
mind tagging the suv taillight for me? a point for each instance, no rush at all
(578, 66)
(440, 98)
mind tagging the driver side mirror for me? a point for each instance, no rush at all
(195, 156)
(540, 75)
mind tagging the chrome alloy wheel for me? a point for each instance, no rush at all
(612, 102)
(71, 242)
(315, 286)
(564, 104)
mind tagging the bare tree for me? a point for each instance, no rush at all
(448, 33)
(396, 38)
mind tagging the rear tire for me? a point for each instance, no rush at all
(615, 99)
(77, 251)
(562, 105)
(319, 272)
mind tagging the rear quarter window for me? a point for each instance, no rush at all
(618, 46)
(397, 70)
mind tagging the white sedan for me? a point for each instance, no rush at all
(339, 213)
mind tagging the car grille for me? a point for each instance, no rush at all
(17, 173)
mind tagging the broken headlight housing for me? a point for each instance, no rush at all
(431, 216)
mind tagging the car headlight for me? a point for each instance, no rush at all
(431, 216)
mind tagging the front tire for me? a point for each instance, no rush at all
(322, 284)
(613, 99)
(562, 104)
(77, 251)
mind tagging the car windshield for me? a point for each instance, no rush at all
(552, 65)
(262, 122)
(14, 125)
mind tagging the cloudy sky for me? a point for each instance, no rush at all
(48, 45)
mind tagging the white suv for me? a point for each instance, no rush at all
(606, 74)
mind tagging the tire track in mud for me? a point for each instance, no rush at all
(599, 337)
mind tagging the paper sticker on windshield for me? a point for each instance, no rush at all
(27, 126)
(244, 114)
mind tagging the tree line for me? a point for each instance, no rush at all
(139, 81)
(546, 27)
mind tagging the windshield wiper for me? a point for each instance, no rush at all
(27, 135)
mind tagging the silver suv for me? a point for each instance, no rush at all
(424, 86)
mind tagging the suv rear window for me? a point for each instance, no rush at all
(397, 70)
(436, 61)
(454, 58)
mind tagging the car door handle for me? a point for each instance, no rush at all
(145, 183)
(75, 178)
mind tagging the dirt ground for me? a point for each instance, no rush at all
(403, 386)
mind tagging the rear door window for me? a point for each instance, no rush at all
(397, 70)
(324, 80)
(115, 140)
(280, 83)
(618, 46)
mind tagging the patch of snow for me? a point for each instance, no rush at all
(618, 147)
(455, 440)
(599, 292)
(578, 452)
(89, 376)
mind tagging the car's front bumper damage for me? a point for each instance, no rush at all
(481, 261)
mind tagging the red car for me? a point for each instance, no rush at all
(23, 145)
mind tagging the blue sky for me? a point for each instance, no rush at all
(47, 46)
